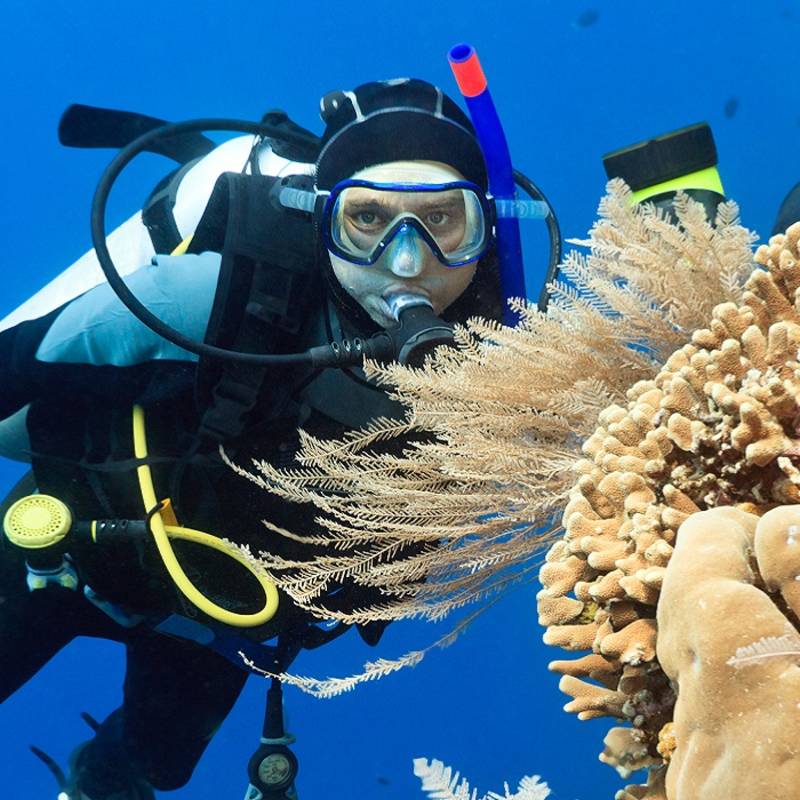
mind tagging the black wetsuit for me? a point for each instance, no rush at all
(78, 391)
(176, 693)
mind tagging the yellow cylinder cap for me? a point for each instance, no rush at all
(37, 521)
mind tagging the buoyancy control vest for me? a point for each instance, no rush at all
(271, 298)
(268, 298)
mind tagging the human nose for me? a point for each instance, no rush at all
(405, 256)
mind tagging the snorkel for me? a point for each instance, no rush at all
(474, 88)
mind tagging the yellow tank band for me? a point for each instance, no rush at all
(707, 179)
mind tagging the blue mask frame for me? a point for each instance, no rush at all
(403, 223)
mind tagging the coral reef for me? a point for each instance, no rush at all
(658, 394)
(717, 426)
(736, 725)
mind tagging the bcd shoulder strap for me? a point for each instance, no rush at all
(266, 286)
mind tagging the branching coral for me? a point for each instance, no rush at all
(659, 385)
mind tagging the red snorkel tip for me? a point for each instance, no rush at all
(467, 70)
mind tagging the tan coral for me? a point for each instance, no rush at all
(667, 742)
(627, 751)
(736, 730)
(653, 790)
(718, 426)
(777, 547)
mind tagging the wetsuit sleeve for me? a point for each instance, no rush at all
(66, 350)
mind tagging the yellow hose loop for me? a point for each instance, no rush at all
(161, 536)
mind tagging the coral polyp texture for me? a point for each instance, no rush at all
(718, 426)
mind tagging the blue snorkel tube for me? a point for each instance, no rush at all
(473, 86)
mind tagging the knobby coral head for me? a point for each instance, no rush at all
(717, 428)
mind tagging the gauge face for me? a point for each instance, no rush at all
(274, 769)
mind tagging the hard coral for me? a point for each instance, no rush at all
(718, 426)
(735, 732)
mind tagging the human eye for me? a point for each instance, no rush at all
(438, 218)
(367, 218)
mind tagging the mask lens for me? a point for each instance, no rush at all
(364, 218)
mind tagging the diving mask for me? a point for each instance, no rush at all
(362, 218)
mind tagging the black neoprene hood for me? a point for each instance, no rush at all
(399, 120)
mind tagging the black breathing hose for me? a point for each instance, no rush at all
(115, 281)
(553, 231)
(383, 346)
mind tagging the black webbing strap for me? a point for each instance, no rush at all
(158, 210)
(264, 291)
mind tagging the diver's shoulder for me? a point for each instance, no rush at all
(96, 329)
(192, 267)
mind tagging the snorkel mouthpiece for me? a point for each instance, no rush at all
(474, 88)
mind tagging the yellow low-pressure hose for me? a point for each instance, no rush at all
(183, 246)
(163, 532)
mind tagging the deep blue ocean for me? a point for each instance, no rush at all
(572, 79)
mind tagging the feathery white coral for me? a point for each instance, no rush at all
(494, 428)
(493, 443)
(441, 783)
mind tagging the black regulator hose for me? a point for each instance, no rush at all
(115, 280)
(553, 231)
(419, 330)
(418, 333)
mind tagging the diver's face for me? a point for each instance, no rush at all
(408, 265)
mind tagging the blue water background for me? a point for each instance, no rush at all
(569, 86)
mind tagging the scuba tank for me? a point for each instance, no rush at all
(175, 206)
(682, 160)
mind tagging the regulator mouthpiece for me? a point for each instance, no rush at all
(398, 303)
(419, 331)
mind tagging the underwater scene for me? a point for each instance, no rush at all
(400, 400)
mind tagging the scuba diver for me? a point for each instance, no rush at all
(375, 239)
